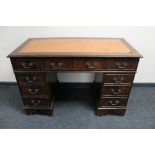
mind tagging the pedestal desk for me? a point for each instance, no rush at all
(112, 57)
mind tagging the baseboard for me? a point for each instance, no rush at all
(8, 83)
(80, 85)
(143, 84)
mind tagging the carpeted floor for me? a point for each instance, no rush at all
(74, 110)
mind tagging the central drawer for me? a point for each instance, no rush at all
(75, 64)
(116, 90)
(33, 90)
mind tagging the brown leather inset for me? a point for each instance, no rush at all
(111, 46)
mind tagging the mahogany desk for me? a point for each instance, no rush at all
(113, 57)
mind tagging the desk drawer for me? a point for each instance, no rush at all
(59, 64)
(113, 101)
(122, 63)
(75, 64)
(27, 64)
(30, 77)
(118, 78)
(37, 102)
(90, 64)
(116, 90)
(33, 90)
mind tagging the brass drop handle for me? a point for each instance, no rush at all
(123, 66)
(27, 78)
(114, 92)
(35, 104)
(27, 65)
(33, 91)
(56, 65)
(118, 79)
(90, 66)
(60, 64)
(112, 103)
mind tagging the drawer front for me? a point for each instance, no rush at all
(115, 90)
(33, 90)
(118, 78)
(122, 63)
(30, 77)
(75, 64)
(90, 64)
(113, 102)
(27, 64)
(36, 102)
(58, 64)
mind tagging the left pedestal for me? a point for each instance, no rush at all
(36, 92)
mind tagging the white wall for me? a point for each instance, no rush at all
(142, 38)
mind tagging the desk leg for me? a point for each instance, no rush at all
(39, 111)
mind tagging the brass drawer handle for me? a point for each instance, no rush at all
(56, 65)
(27, 65)
(90, 66)
(123, 66)
(112, 103)
(33, 91)
(114, 92)
(118, 79)
(27, 78)
(35, 104)
(60, 64)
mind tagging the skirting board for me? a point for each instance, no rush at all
(81, 85)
